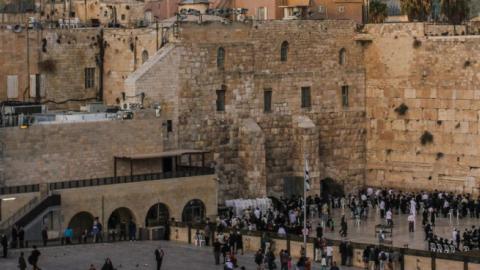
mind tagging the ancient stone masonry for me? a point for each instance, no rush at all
(331, 136)
(429, 142)
(60, 152)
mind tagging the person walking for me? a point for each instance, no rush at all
(216, 251)
(259, 259)
(239, 242)
(108, 265)
(45, 235)
(68, 234)
(411, 222)
(159, 257)
(33, 258)
(132, 231)
(22, 264)
(4, 241)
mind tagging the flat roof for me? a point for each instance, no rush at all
(173, 153)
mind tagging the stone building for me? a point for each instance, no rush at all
(254, 95)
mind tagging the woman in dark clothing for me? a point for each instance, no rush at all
(239, 242)
(22, 264)
(108, 265)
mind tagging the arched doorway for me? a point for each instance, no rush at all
(194, 211)
(144, 56)
(120, 220)
(80, 222)
(157, 215)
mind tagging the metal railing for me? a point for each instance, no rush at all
(182, 171)
(18, 214)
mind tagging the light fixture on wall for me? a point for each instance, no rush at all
(9, 199)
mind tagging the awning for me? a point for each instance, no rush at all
(296, 3)
(173, 153)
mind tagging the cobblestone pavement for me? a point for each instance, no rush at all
(365, 233)
(127, 256)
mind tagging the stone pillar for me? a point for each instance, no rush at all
(252, 160)
(306, 143)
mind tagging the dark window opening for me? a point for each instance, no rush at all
(89, 77)
(221, 58)
(221, 99)
(169, 126)
(267, 100)
(345, 96)
(306, 97)
(342, 57)
(284, 51)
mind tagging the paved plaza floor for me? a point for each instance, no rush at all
(365, 233)
(129, 256)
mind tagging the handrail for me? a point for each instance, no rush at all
(182, 171)
(19, 213)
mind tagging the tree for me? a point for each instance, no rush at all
(416, 10)
(456, 11)
(377, 12)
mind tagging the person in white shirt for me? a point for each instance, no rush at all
(411, 222)
(281, 232)
(388, 217)
(329, 251)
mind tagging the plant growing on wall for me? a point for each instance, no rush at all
(416, 10)
(456, 11)
(416, 43)
(402, 109)
(377, 12)
(426, 138)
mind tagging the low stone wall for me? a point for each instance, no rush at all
(412, 259)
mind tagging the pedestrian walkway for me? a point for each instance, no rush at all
(130, 256)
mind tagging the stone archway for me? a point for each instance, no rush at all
(194, 211)
(157, 215)
(119, 221)
(80, 222)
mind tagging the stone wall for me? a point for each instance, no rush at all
(57, 152)
(437, 79)
(252, 64)
(69, 52)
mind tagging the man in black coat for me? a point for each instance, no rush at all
(159, 257)
(33, 258)
(343, 252)
(4, 245)
(216, 251)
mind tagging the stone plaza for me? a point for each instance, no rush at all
(130, 256)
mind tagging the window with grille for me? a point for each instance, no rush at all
(89, 77)
(267, 100)
(345, 96)
(306, 97)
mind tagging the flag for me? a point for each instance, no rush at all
(307, 177)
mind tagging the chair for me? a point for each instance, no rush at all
(439, 248)
(446, 248)
(433, 247)
(452, 249)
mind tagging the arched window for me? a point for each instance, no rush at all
(284, 51)
(221, 58)
(342, 57)
(144, 56)
(193, 212)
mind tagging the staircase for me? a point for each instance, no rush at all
(31, 211)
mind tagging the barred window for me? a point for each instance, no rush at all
(89, 77)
